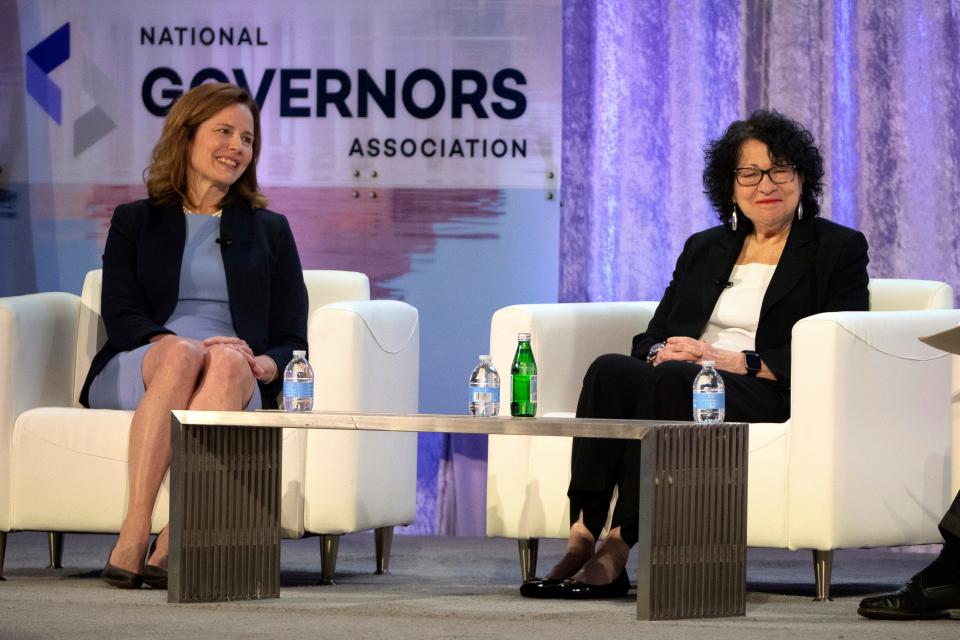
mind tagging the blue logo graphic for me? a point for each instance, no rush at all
(53, 51)
(49, 54)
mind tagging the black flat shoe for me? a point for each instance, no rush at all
(539, 587)
(576, 590)
(913, 601)
(120, 578)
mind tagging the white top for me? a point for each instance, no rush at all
(733, 324)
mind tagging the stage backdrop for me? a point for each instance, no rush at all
(415, 141)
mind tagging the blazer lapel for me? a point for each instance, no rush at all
(717, 267)
(794, 262)
(235, 238)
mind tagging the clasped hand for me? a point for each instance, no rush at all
(687, 349)
(263, 367)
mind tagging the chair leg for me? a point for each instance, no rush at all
(329, 546)
(55, 545)
(382, 541)
(822, 568)
(3, 551)
(528, 557)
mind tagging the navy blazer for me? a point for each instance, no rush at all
(141, 282)
(823, 267)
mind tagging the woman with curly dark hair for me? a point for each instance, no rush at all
(736, 293)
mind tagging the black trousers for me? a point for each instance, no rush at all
(950, 524)
(619, 386)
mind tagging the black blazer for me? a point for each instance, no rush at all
(823, 268)
(141, 282)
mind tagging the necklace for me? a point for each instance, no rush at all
(215, 214)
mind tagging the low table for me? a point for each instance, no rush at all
(225, 502)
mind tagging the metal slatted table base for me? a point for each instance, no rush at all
(225, 502)
(693, 524)
(224, 514)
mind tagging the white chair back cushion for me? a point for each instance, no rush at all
(909, 295)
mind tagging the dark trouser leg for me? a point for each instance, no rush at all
(610, 389)
(663, 393)
(950, 524)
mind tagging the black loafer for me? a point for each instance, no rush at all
(540, 588)
(120, 578)
(913, 601)
(576, 590)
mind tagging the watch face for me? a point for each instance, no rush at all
(752, 361)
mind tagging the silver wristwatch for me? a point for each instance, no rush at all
(654, 350)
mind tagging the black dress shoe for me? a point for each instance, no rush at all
(913, 601)
(539, 587)
(120, 578)
(576, 590)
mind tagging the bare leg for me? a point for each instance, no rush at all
(580, 546)
(226, 384)
(607, 563)
(170, 370)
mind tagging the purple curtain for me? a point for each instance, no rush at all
(647, 85)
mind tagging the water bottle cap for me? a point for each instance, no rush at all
(485, 358)
(523, 337)
(299, 353)
(709, 363)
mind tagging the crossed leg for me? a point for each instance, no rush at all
(177, 373)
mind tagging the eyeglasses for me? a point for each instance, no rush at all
(751, 176)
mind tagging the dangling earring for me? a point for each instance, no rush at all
(733, 218)
(800, 211)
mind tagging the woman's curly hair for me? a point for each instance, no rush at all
(166, 176)
(787, 141)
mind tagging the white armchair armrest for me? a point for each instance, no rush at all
(365, 356)
(870, 433)
(38, 336)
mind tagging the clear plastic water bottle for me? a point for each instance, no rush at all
(298, 384)
(484, 389)
(709, 398)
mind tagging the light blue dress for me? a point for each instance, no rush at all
(202, 311)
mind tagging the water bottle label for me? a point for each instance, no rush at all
(533, 389)
(298, 388)
(484, 394)
(707, 401)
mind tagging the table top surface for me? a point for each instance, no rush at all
(426, 422)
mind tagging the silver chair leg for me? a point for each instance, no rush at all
(329, 546)
(528, 557)
(3, 551)
(822, 568)
(55, 545)
(382, 541)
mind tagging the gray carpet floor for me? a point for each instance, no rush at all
(445, 587)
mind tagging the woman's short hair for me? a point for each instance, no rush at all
(787, 141)
(166, 176)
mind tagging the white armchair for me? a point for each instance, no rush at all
(63, 467)
(863, 461)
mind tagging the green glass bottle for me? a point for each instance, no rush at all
(524, 373)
